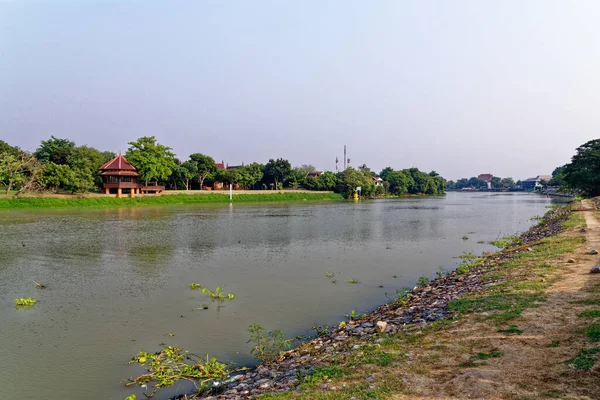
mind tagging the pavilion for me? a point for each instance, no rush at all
(120, 177)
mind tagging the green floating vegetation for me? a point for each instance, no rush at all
(353, 281)
(218, 294)
(196, 286)
(507, 241)
(164, 368)
(585, 359)
(25, 302)
(175, 199)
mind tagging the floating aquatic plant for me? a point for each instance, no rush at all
(26, 302)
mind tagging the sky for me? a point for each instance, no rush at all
(508, 87)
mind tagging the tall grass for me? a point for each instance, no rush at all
(104, 202)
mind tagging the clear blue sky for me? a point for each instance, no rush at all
(461, 87)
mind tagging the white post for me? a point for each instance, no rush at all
(230, 192)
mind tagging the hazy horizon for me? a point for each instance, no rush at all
(462, 87)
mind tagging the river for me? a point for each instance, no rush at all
(118, 279)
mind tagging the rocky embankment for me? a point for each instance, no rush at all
(426, 304)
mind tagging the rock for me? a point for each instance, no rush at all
(381, 326)
(595, 270)
(593, 252)
(570, 261)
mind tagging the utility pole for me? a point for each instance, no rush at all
(344, 157)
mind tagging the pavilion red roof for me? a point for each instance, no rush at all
(118, 166)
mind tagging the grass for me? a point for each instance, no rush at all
(487, 356)
(511, 330)
(503, 307)
(588, 302)
(593, 331)
(590, 314)
(177, 199)
(585, 359)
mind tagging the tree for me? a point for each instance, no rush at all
(476, 183)
(583, 173)
(16, 169)
(399, 182)
(205, 166)
(183, 173)
(86, 161)
(385, 173)
(350, 179)
(558, 177)
(153, 161)
(55, 150)
(278, 171)
(6, 148)
(507, 183)
(298, 177)
(496, 182)
(308, 169)
(327, 181)
(253, 173)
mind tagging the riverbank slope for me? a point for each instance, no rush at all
(100, 201)
(522, 323)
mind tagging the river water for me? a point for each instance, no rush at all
(118, 280)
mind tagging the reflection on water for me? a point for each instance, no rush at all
(118, 280)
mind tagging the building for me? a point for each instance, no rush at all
(120, 177)
(487, 178)
(533, 183)
(377, 181)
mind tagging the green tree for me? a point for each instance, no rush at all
(350, 179)
(583, 173)
(153, 160)
(385, 173)
(205, 165)
(253, 173)
(496, 182)
(278, 171)
(55, 150)
(327, 181)
(297, 177)
(507, 183)
(56, 176)
(6, 148)
(16, 169)
(558, 177)
(399, 182)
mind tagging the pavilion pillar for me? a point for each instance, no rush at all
(106, 191)
(119, 192)
(132, 192)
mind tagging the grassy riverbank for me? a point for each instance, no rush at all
(523, 323)
(174, 199)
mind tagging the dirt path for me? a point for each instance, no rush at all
(532, 364)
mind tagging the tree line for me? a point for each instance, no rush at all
(60, 165)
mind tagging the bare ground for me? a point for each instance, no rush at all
(533, 364)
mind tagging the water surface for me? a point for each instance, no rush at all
(118, 280)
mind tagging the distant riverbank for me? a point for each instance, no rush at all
(98, 201)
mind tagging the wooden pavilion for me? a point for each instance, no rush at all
(120, 177)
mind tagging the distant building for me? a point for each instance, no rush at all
(487, 178)
(377, 181)
(532, 183)
(315, 174)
